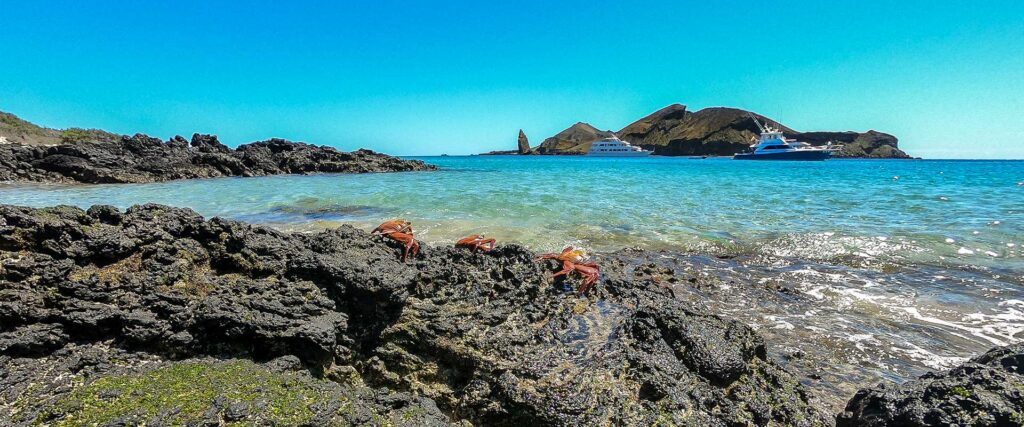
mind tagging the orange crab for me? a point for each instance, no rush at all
(573, 260)
(399, 230)
(475, 242)
(395, 225)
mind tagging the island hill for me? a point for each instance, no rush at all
(719, 131)
(31, 153)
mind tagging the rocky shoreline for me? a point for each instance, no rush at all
(104, 313)
(140, 159)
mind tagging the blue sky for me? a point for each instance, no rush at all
(459, 77)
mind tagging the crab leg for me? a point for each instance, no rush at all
(567, 267)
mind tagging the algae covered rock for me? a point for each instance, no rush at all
(99, 385)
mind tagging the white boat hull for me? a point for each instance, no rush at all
(786, 155)
(622, 154)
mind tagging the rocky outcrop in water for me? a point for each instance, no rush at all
(676, 131)
(524, 143)
(523, 147)
(143, 159)
(100, 307)
(985, 391)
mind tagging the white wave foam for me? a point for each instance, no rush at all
(929, 358)
(982, 332)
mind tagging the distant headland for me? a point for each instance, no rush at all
(718, 131)
(32, 153)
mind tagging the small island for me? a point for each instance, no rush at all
(718, 131)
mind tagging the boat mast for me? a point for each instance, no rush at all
(751, 115)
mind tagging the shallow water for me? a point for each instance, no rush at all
(895, 267)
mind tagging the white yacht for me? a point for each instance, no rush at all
(772, 145)
(615, 147)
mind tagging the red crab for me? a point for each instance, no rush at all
(572, 260)
(476, 241)
(399, 225)
(399, 230)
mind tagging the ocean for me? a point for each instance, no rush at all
(855, 271)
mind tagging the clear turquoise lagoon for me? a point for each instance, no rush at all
(899, 266)
(963, 212)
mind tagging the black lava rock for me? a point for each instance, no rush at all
(985, 391)
(141, 158)
(482, 337)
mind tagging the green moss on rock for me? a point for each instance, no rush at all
(190, 392)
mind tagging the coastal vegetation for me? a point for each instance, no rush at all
(77, 135)
(13, 129)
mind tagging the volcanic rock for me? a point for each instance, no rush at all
(870, 144)
(524, 143)
(985, 391)
(484, 337)
(144, 159)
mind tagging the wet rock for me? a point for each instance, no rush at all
(141, 158)
(486, 338)
(985, 391)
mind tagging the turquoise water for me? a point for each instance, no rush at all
(967, 212)
(897, 267)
